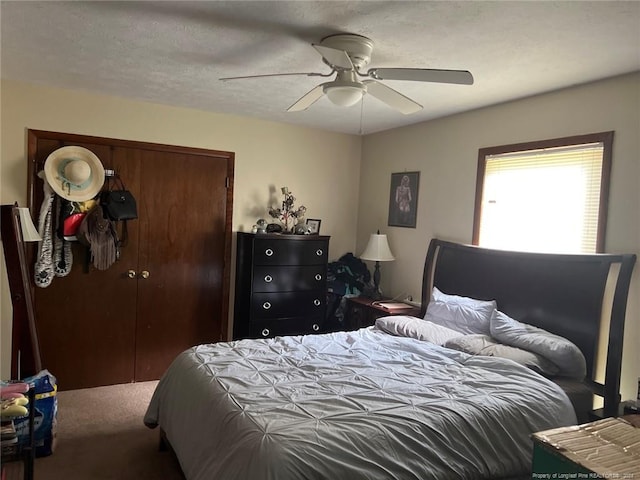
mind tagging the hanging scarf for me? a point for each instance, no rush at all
(51, 261)
(44, 273)
(62, 256)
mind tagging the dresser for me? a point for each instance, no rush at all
(281, 285)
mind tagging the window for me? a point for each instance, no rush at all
(547, 196)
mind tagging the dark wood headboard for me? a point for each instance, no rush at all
(561, 293)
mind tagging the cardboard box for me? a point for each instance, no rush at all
(608, 448)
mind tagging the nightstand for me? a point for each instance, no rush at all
(628, 407)
(631, 407)
(362, 312)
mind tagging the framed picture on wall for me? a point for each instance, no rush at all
(314, 226)
(403, 199)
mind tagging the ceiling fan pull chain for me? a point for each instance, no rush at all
(361, 113)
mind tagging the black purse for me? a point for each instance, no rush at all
(119, 205)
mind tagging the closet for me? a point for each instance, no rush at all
(169, 289)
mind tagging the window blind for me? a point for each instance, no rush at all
(543, 200)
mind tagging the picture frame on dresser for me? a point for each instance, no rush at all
(314, 226)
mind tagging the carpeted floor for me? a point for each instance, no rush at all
(100, 436)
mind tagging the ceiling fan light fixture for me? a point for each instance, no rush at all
(344, 95)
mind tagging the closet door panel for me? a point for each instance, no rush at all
(86, 321)
(182, 247)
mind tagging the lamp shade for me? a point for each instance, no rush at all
(29, 230)
(377, 249)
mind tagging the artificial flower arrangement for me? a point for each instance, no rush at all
(288, 214)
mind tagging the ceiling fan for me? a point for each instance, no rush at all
(347, 54)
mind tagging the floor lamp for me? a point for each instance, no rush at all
(16, 228)
(378, 251)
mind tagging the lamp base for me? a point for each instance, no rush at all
(369, 291)
(376, 282)
(377, 295)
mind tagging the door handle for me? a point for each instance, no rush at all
(144, 274)
(131, 274)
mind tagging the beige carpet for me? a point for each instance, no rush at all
(100, 435)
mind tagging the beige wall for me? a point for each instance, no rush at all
(321, 168)
(445, 152)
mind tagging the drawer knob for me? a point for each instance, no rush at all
(265, 332)
(318, 277)
(268, 278)
(315, 327)
(316, 302)
(268, 252)
(266, 305)
(319, 252)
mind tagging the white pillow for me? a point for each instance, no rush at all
(462, 314)
(566, 355)
(445, 297)
(404, 326)
(485, 345)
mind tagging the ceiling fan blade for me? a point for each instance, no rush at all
(333, 57)
(462, 77)
(308, 74)
(308, 99)
(391, 97)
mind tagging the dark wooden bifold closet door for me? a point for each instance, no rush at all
(181, 248)
(169, 289)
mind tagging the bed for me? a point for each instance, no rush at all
(386, 403)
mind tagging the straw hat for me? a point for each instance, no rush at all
(74, 173)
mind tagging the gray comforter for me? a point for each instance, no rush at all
(351, 405)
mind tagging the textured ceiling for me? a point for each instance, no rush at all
(174, 52)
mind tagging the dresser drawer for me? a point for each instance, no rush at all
(269, 251)
(267, 278)
(288, 304)
(286, 326)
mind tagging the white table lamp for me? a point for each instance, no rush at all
(377, 251)
(29, 230)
